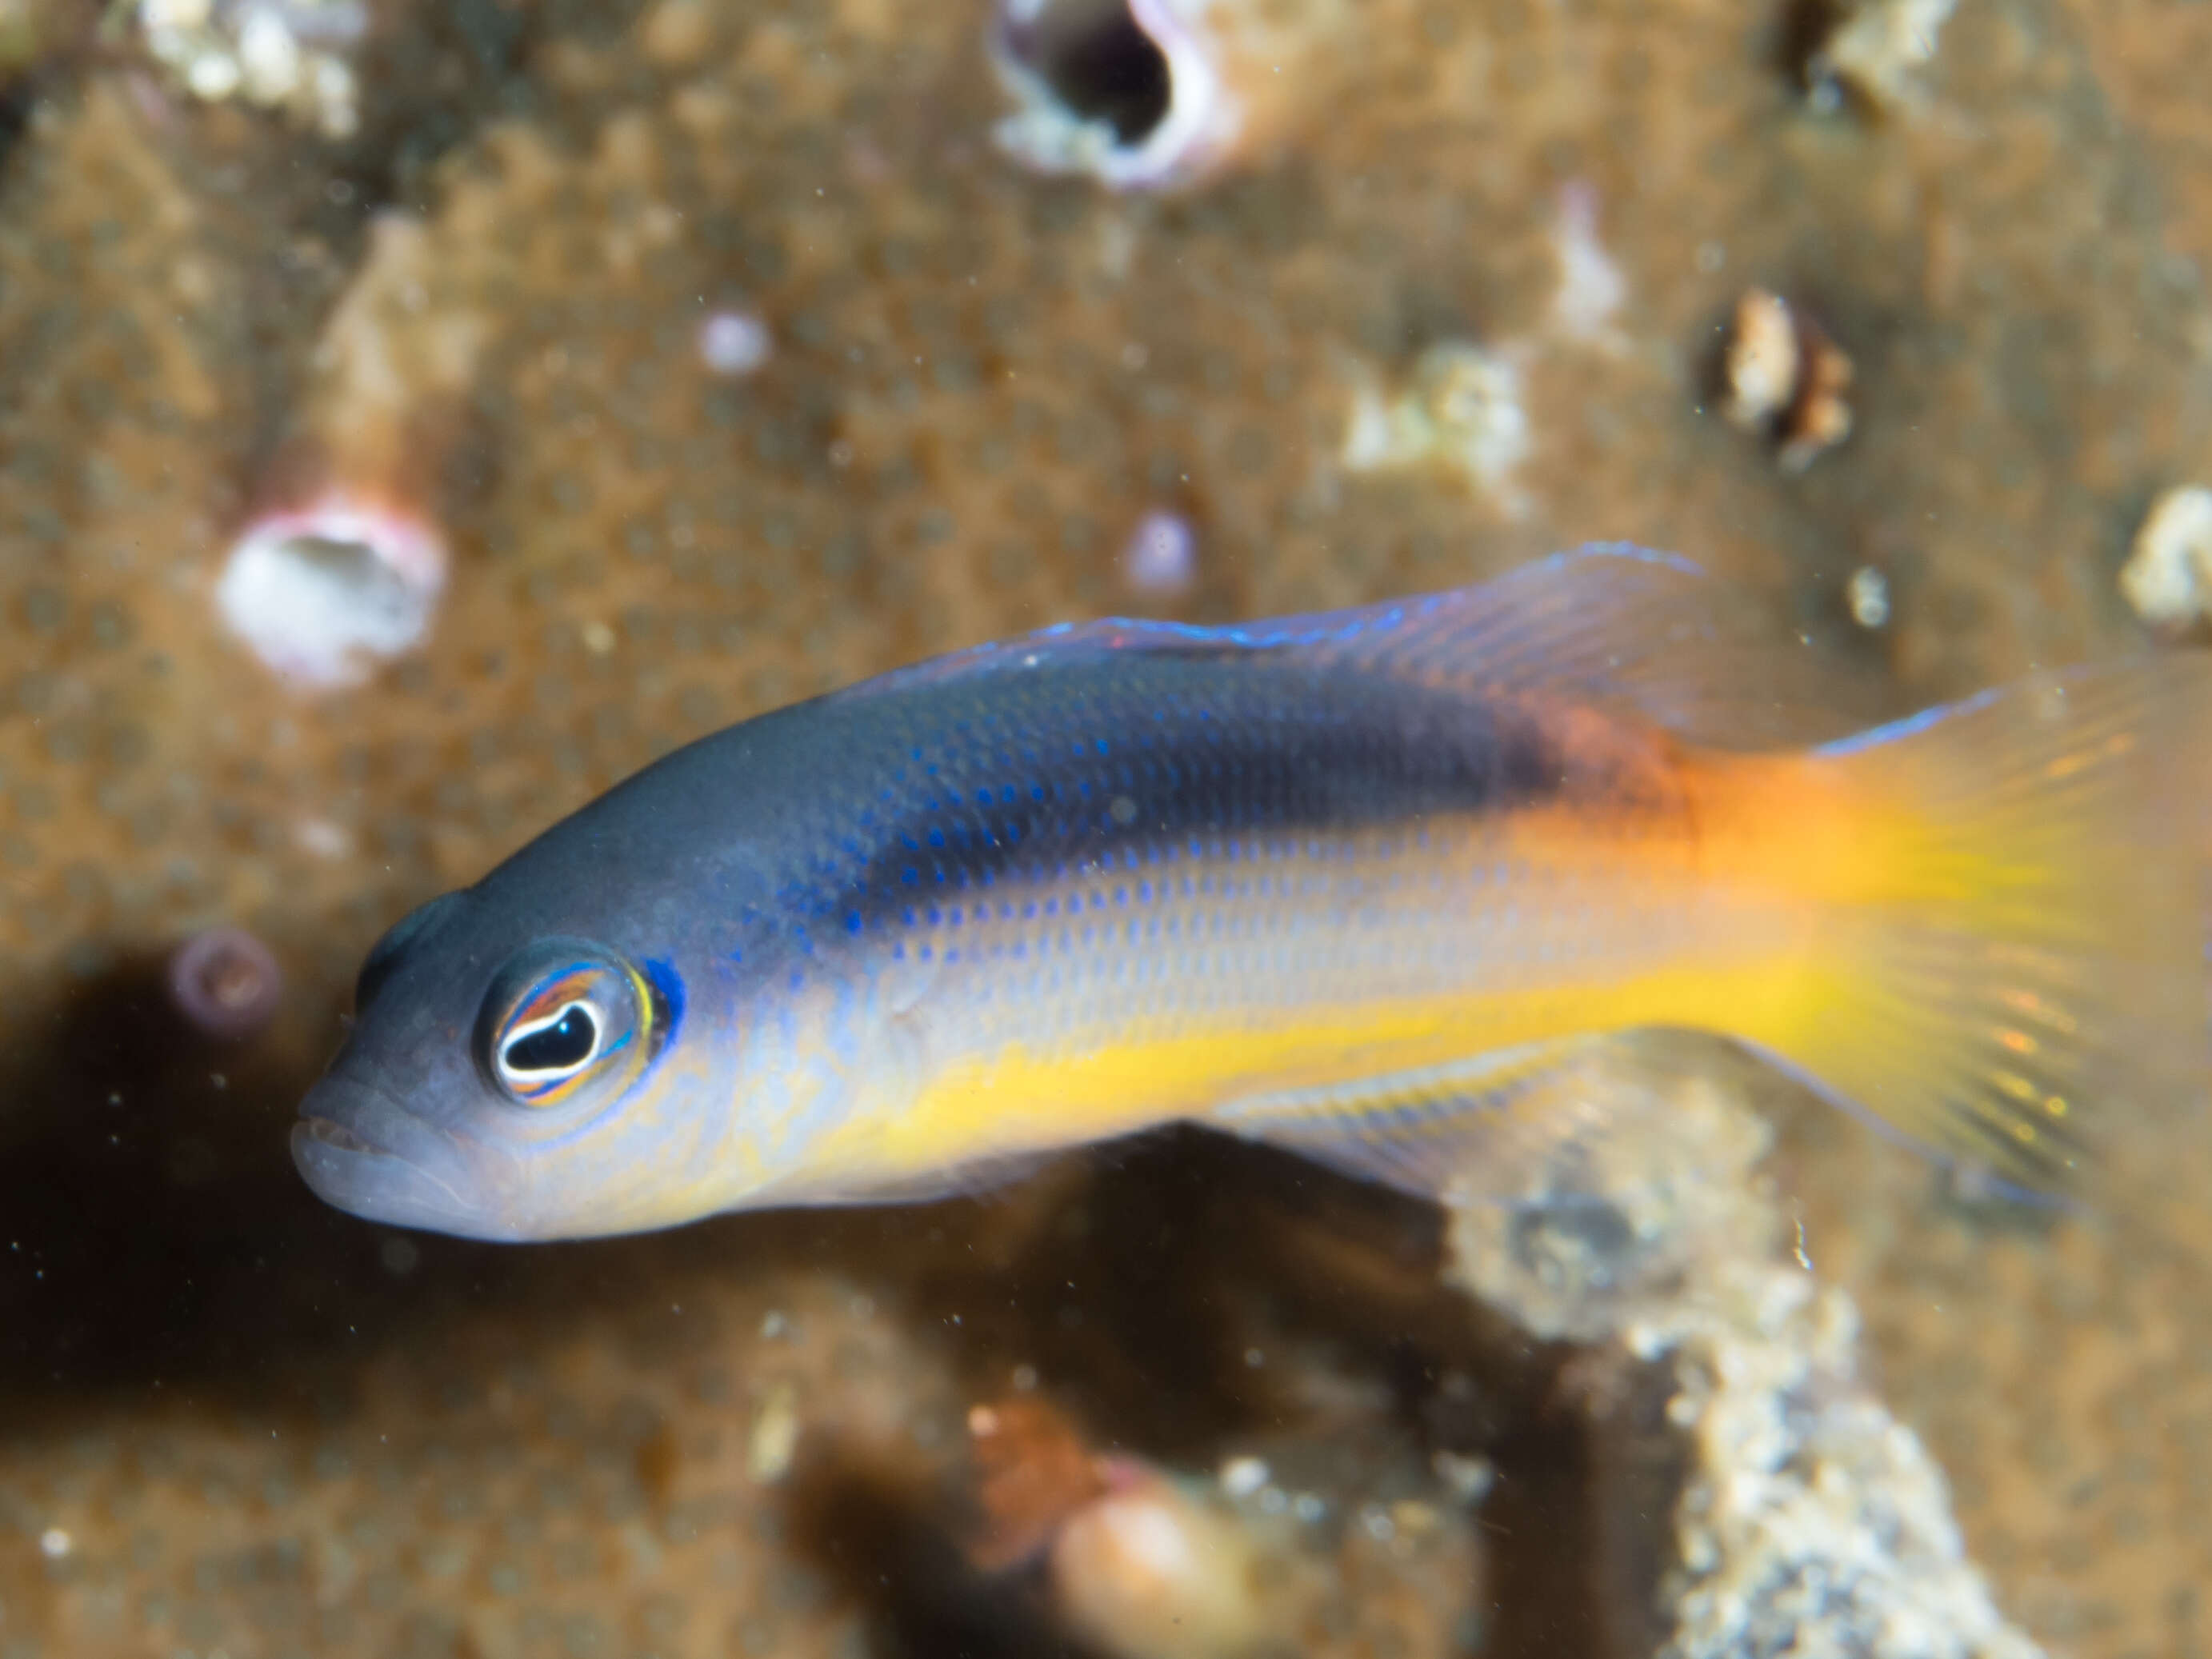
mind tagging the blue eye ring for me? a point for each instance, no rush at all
(565, 1018)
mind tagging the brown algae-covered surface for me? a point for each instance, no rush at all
(236, 1423)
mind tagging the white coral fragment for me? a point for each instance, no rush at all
(1591, 287)
(284, 55)
(2168, 575)
(1876, 49)
(1460, 409)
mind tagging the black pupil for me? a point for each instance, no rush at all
(567, 1042)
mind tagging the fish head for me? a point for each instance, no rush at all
(503, 1082)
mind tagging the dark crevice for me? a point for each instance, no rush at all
(1101, 65)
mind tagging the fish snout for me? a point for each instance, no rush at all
(361, 1152)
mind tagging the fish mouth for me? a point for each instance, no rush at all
(366, 1154)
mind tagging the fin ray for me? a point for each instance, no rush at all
(2022, 977)
(1608, 623)
(1442, 1131)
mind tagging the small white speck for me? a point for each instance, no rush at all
(212, 76)
(1254, 1358)
(268, 57)
(734, 343)
(54, 1543)
(1162, 554)
(174, 15)
(1308, 1508)
(775, 1436)
(773, 1325)
(1240, 1477)
(1868, 596)
(323, 838)
(1467, 1479)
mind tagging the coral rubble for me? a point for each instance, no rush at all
(1807, 1518)
(1785, 379)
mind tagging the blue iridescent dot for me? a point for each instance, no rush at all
(852, 923)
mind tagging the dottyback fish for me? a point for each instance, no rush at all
(1351, 884)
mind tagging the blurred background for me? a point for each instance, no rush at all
(417, 415)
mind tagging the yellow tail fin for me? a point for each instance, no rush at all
(2008, 960)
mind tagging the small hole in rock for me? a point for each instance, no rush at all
(1101, 65)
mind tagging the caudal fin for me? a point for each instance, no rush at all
(2012, 968)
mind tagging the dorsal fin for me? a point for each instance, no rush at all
(1608, 623)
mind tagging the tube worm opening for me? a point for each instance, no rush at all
(1125, 90)
(226, 983)
(324, 593)
(1101, 65)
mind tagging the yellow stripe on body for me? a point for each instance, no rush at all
(1021, 1099)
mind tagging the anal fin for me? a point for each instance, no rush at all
(1491, 1126)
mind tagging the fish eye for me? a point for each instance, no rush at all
(567, 1042)
(565, 1016)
